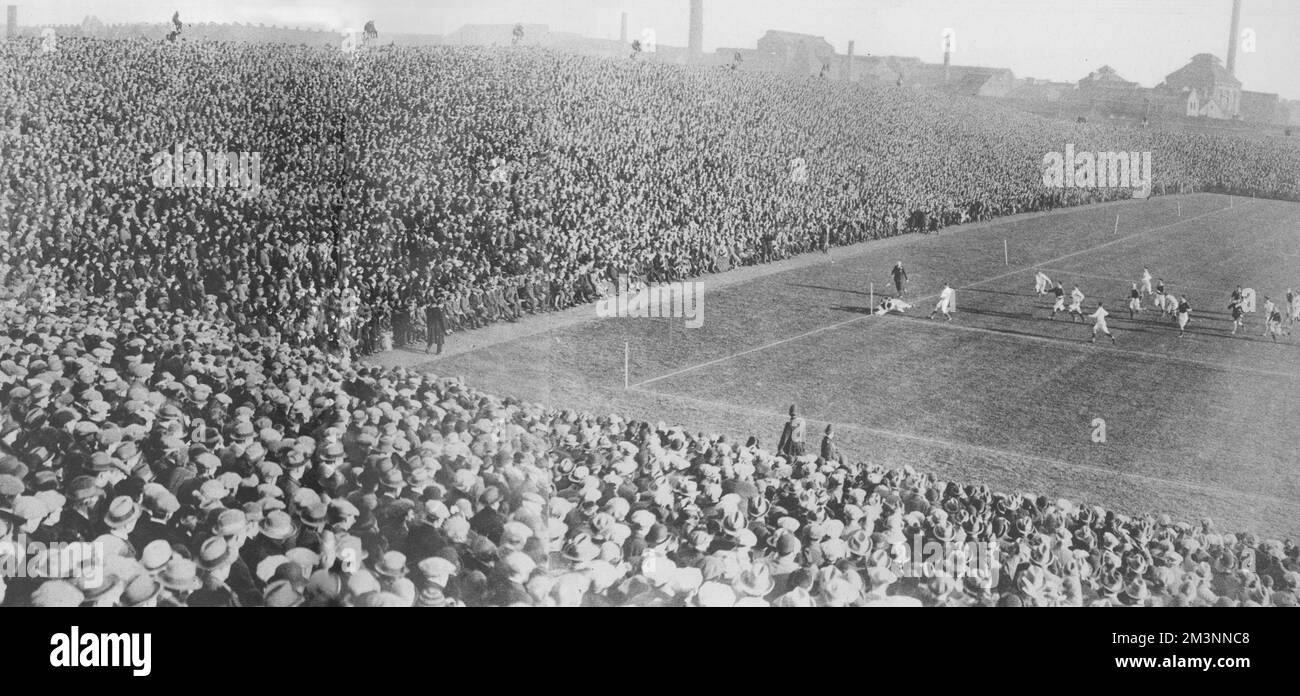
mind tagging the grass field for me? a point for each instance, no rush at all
(1206, 425)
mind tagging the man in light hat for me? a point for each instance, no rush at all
(140, 591)
(800, 592)
(277, 533)
(215, 558)
(879, 579)
(119, 520)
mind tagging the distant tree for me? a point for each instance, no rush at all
(518, 34)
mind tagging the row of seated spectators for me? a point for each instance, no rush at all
(154, 457)
(400, 177)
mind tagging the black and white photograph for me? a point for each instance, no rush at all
(650, 303)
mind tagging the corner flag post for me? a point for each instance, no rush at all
(1180, 208)
(873, 297)
(1116, 224)
(1006, 253)
(625, 362)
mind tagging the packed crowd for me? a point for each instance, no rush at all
(213, 466)
(494, 183)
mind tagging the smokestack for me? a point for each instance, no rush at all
(11, 29)
(947, 56)
(696, 45)
(849, 69)
(1234, 36)
(622, 32)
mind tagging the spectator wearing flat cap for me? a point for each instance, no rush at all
(80, 519)
(159, 505)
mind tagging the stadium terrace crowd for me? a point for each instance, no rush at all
(495, 183)
(219, 466)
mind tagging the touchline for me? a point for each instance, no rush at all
(77, 649)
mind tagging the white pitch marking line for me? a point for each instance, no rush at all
(926, 298)
(1212, 490)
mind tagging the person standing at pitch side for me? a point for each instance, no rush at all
(793, 437)
(900, 277)
(437, 326)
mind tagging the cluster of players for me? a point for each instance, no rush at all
(946, 305)
(1171, 306)
(1167, 303)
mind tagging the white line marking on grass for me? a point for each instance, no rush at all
(692, 368)
(963, 446)
(1079, 345)
(918, 301)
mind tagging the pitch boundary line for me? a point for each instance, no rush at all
(964, 446)
(846, 322)
(1079, 347)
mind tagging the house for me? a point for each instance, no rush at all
(800, 54)
(965, 80)
(1214, 92)
(1034, 89)
(1262, 107)
(1107, 79)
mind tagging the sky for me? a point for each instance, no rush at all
(1143, 40)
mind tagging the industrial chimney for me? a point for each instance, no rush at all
(11, 29)
(848, 70)
(1234, 37)
(947, 56)
(622, 32)
(696, 46)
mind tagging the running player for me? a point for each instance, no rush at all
(1273, 323)
(1293, 307)
(1134, 301)
(1099, 324)
(1042, 284)
(945, 302)
(891, 304)
(1076, 304)
(1059, 292)
(1269, 307)
(1171, 305)
(1238, 314)
(1184, 316)
(1160, 297)
(1146, 281)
